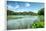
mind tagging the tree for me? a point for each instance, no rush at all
(41, 11)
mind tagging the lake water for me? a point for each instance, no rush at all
(21, 23)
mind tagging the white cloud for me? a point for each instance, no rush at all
(10, 7)
(35, 11)
(27, 5)
(13, 8)
(17, 6)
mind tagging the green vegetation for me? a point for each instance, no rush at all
(40, 23)
(41, 11)
(20, 13)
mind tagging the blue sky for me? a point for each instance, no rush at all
(18, 6)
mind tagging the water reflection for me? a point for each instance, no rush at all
(22, 23)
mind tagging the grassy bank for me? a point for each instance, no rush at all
(39, 23)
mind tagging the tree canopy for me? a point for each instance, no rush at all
(41, 11)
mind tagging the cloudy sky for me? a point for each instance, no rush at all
(18, 6)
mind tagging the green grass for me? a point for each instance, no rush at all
(39, 23)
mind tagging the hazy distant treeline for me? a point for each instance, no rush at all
(19, 13)
(40, 12)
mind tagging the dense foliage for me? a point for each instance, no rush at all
(38, 24)
(10, 12)
(41, 11)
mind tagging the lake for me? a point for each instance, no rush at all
(21, 21)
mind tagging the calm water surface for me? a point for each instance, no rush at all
(26, 20)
